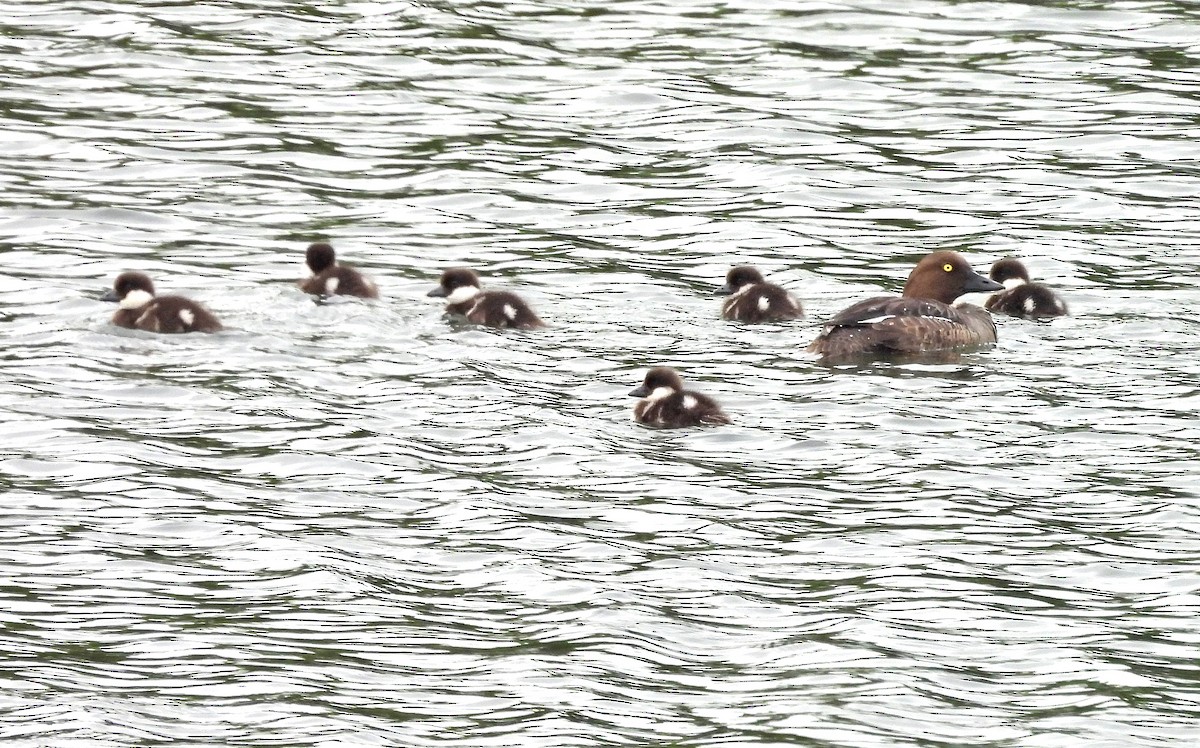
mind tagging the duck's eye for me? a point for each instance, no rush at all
(947, 267)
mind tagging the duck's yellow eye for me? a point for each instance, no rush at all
(947, 267)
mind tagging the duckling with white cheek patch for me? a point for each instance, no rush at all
(667, 404)
(1021, 297)
(329, 278)
(460, 288)
(140, 309)
(755, 300)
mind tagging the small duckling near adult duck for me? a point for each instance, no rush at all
(1021, 297)
(667, 404)
(752, 299)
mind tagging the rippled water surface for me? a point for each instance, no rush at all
(362, 524)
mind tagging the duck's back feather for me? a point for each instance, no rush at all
(901, 325)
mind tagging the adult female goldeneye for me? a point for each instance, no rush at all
(330, 278)
(460, 288)
(1020, 297)
(666, 403)
(139, 309)
(755, 300)
(922, 320)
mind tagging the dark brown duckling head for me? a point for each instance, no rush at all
(739, 277)
(320, 257)
(126, 282)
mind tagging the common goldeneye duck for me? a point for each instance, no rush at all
(754, 300)
(1021, 298)
(460, 288)
(666, 403)
(139, 309)
(330, 278)
(922, 320)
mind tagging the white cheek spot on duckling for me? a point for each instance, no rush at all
(689, 402)
(510, 311)
(331, 286)
(763, 303)
(461, 294)
(136, 299)
(186, 317)
(1030, 305)
(659, 393)
(1013, 282)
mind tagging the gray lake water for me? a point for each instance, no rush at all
(361, 524)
